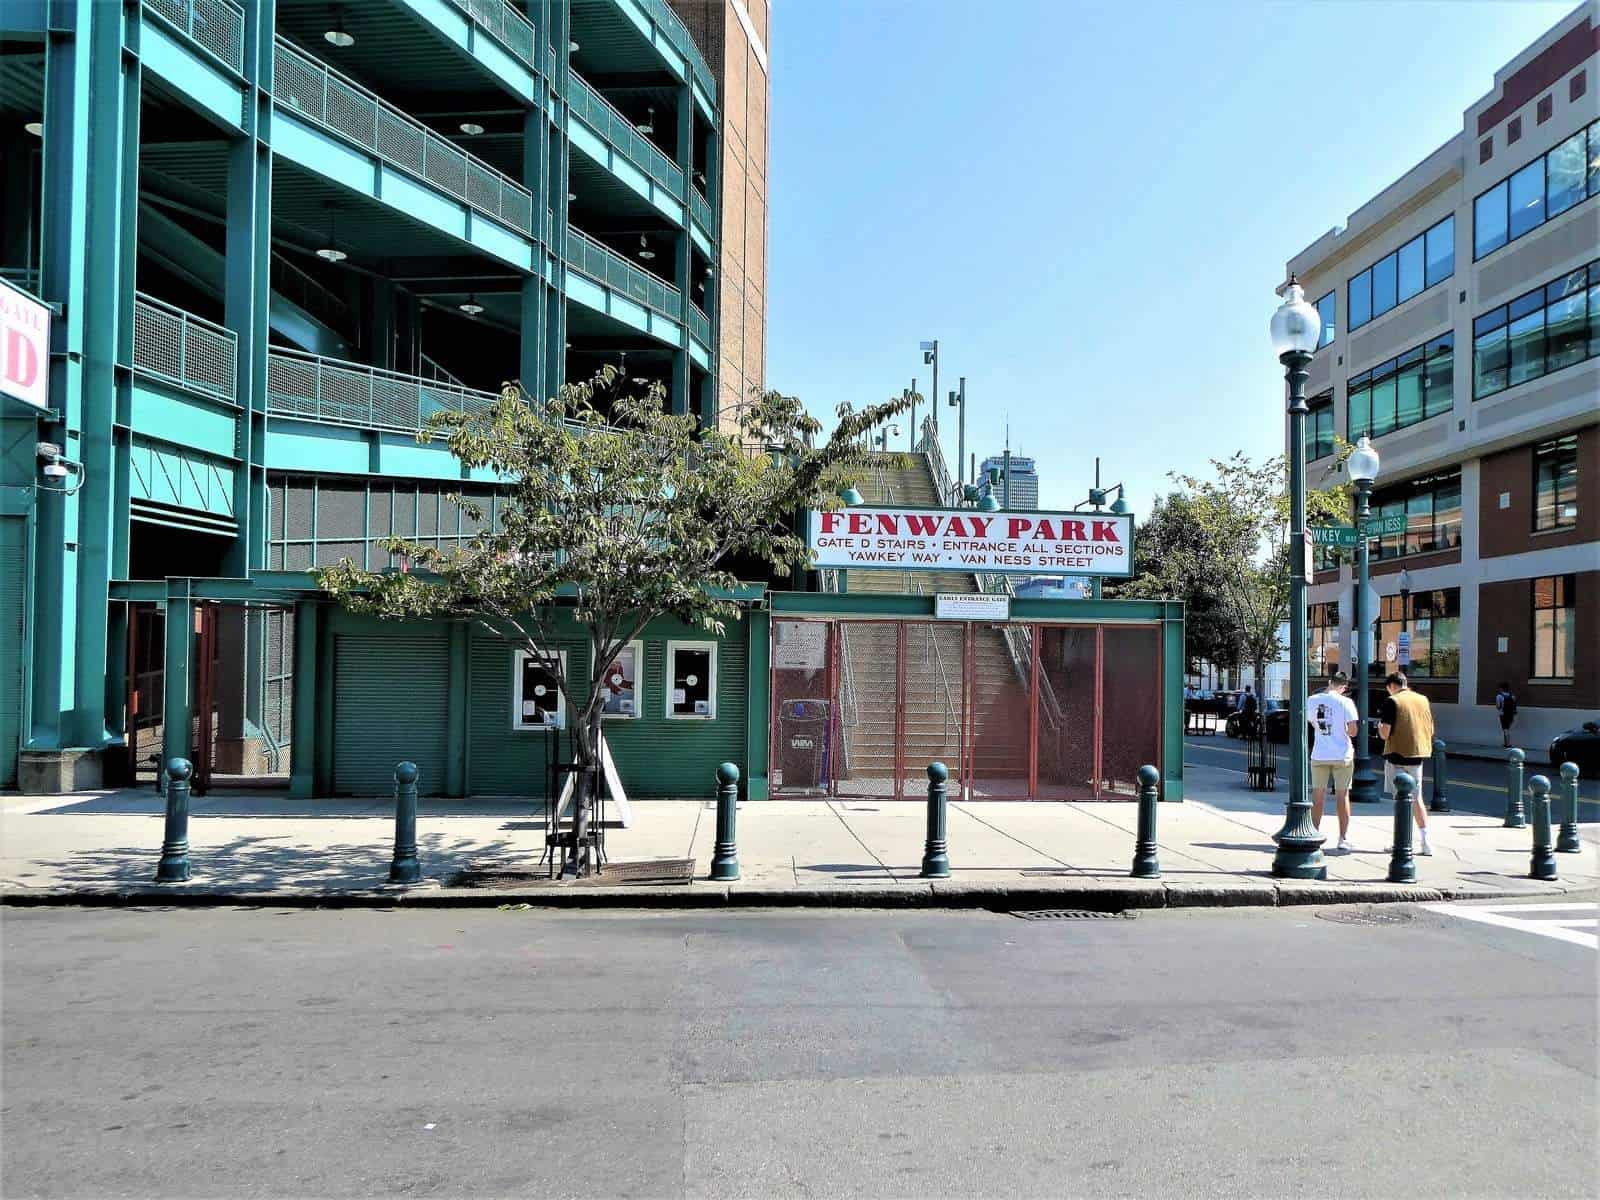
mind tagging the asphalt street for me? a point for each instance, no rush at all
(1473, 785)
(1340, 1051)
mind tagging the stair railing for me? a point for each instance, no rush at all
(932, 643)
(928, 444)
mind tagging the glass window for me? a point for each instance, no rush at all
(537, 703)
(1555, 622)
(1327, 309)
(1383, 402)
(1489, 220)
(1527, 199)
(1383, 283)
(1361, 299)
(1410, 269)
(1594, 159)
(1320, 436)
(1565, 178)
(1447, 513)
(1358, 406)
(1419, 523)
(1555, 484)
(692, 681)
(1441, 251)
(623, 685)
(1566, 320)
(1594, 308)
(1408, 389)
(1490, 356)
(1526, 337)
(1438, 380)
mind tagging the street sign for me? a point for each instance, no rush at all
(1333, 535)
(1403, 648)
(1378, 526)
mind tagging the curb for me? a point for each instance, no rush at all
(1101, 896)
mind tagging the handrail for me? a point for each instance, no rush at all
(170, 343)
(347, 393)
(603, 264)
(216, 26)
(313, 295)
(602, 116)
(510, 27)
(928, 444)
(309, 87)
(938, 660)
(700, 210)
(678, 34)
(700, 324)
(434, 372)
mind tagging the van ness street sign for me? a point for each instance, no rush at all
(871, 536)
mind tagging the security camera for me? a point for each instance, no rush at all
(55, 470)
(47, 450)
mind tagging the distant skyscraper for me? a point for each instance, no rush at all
(1024, 480)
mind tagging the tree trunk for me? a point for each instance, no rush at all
(587, 738)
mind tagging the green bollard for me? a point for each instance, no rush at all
(1543, 863)
(935, 856)
(405, 868)
(1438, 801)
(1145, 863)
(1402, 866)
(1568, 842)
(174, 864)
(725, 853)
(1516, 814)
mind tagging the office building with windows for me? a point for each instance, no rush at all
(1022, 489)
(1461, 332)
(271, 238)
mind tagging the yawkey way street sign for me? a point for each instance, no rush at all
(1345, 535)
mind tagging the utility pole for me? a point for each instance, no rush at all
(959, 401)
(913, 392)
(930, 354)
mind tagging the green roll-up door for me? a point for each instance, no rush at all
(391, 695)
(13, 561)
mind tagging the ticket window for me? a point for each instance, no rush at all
(537, 702)
(691, 681)
(623, 685)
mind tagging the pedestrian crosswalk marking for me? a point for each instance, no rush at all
(1562, 929)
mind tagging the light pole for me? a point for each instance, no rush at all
(1095, 502)
(1405, 619)
(959, 401)
(930, 354)
(1296, 329)
(882, 440)
(913, 394)
(1363, 467)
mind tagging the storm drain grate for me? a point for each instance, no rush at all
(497, 875)
(1066, 914)
(1364, 916)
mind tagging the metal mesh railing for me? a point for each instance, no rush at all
(215, 25)
(597, 112)
(191, 351)
(606, 266)
(678, 34)
(311, 89)
(347, 393)
(699, 325)
(700, 210)
(513, 29)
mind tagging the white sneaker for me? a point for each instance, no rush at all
(1423, 848)
(1344, 846)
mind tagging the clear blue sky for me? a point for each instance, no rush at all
(1089, 204)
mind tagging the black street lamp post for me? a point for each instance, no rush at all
(1363, 467)
(1296, 329)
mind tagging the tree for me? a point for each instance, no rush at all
(618, 517)
(1223, 543)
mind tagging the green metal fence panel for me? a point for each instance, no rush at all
(346, 393)
(391, 696)
(678, 35)
(700, 210)
(513, 30)
(699, 325)
(597, 112)
(217, 26)
(13, 569)
(606, 266)
(178, 346)
(312, 89)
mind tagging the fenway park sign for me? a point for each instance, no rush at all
(959, 539)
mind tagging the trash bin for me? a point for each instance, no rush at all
(802, 742)
(1261, 763)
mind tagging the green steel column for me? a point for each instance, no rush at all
(455, 762)
(533, 363)
(178, 683)
(303, 710)
(683, 252)
(1172, 658)
(758, 711)
(1364, 783)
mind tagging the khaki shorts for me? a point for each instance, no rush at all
(1390, 770)
(1331, 774)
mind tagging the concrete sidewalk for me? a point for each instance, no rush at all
(1215, 849)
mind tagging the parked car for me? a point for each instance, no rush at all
(1235, 725)
(1581, 746)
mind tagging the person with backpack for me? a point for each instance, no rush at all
(1505, 703)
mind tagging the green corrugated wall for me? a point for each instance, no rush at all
(13, 569)
(391, 702)
(654, 756)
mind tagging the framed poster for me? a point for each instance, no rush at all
(691, 681)
(623, 684)
(536, 701)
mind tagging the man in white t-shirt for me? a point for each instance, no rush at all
(1334, 722)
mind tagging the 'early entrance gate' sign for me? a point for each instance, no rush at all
(958, 539)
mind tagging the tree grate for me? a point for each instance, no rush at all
(1065, 914)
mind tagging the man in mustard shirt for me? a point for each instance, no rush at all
(1405, 722)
